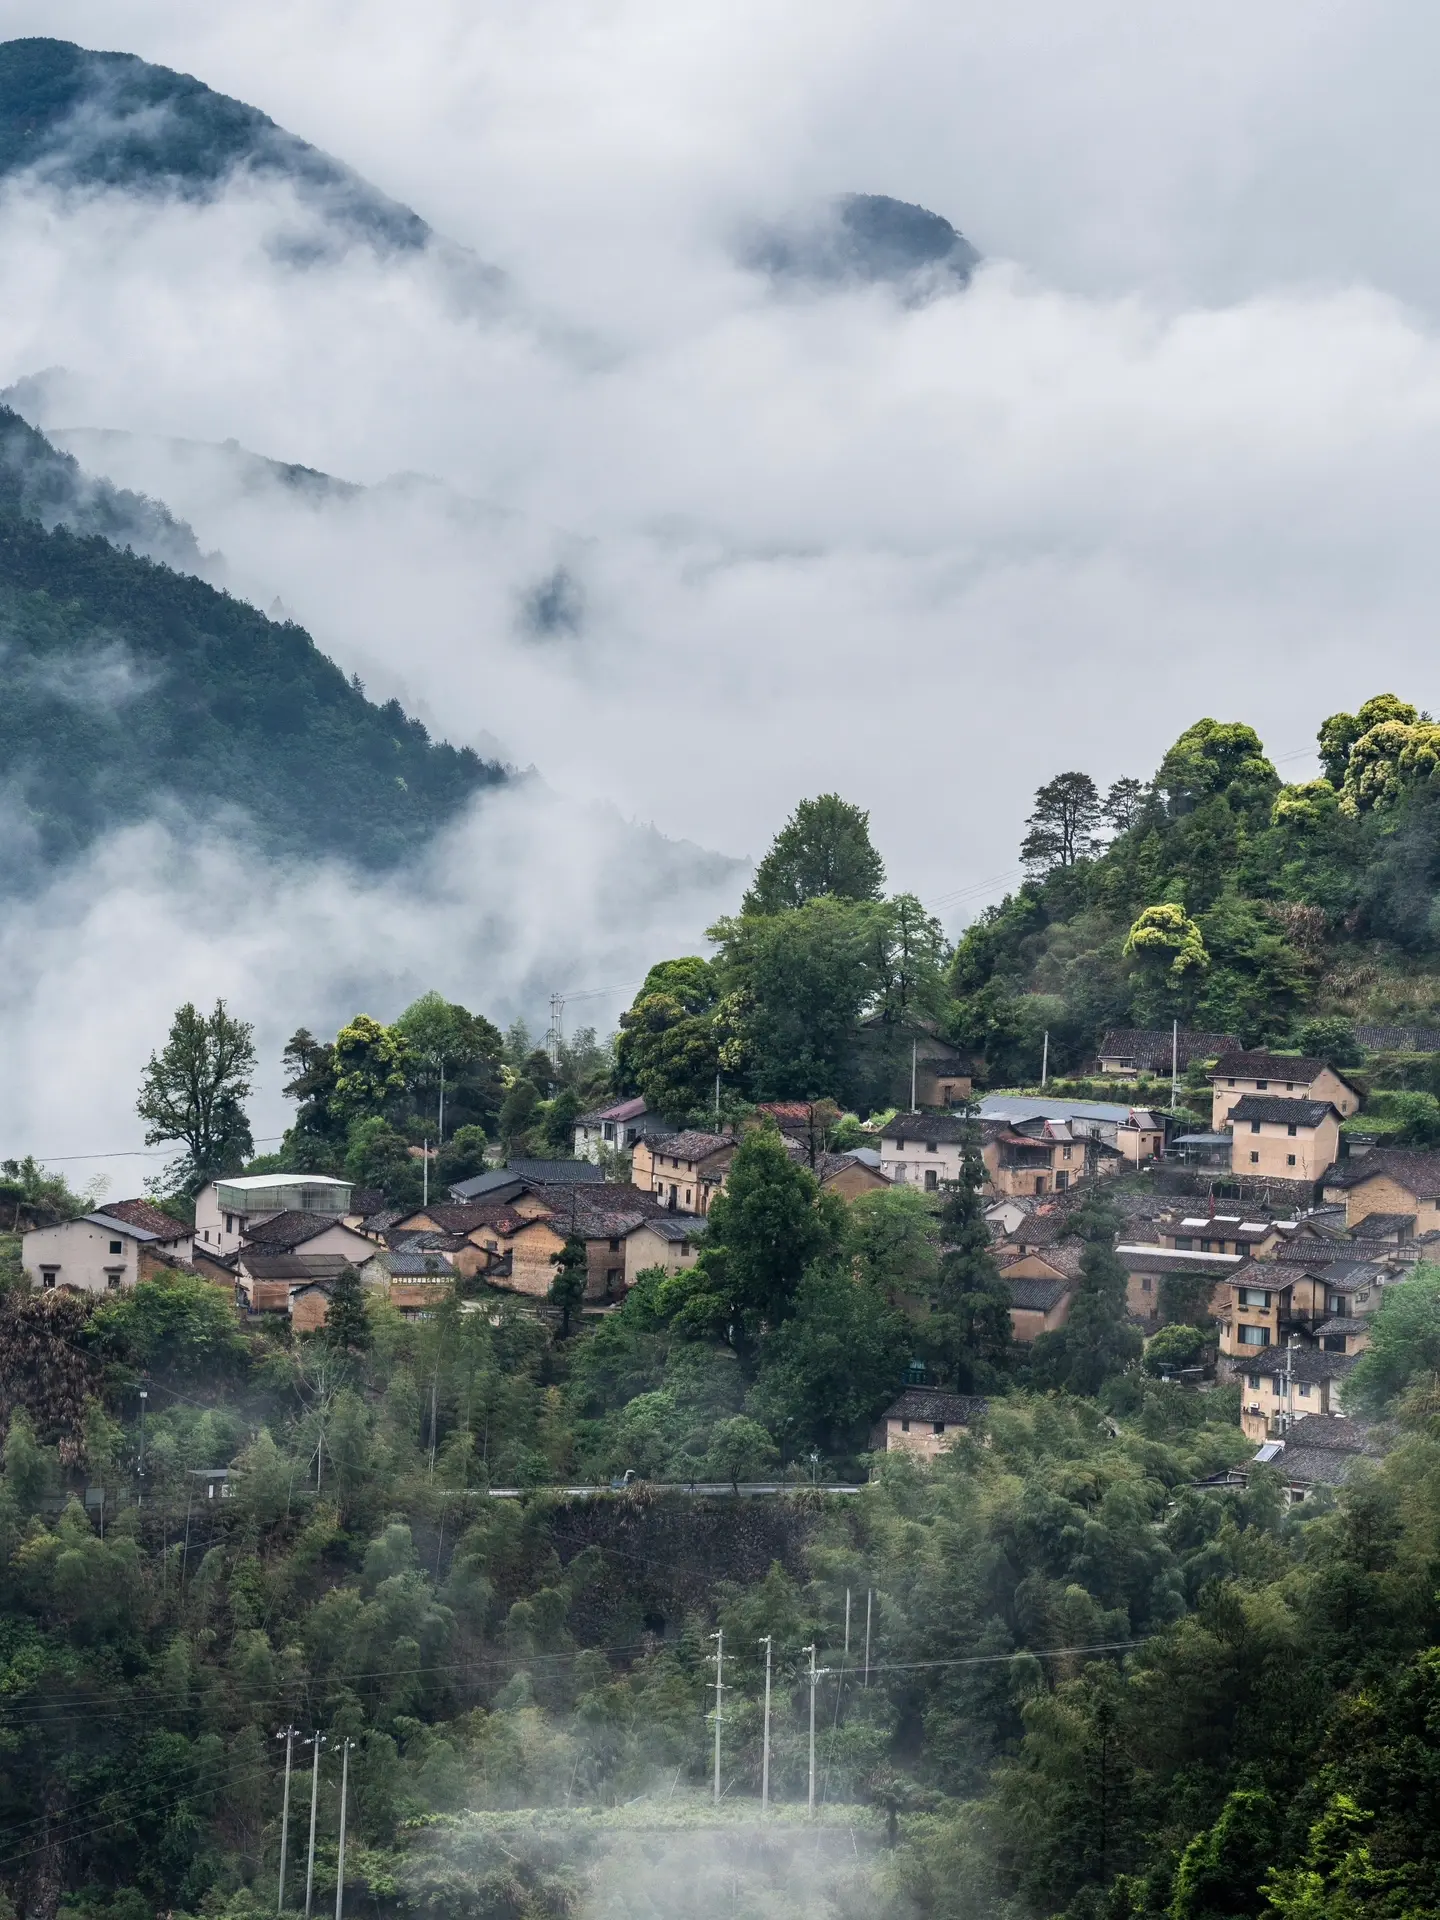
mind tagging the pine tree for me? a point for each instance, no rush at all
(1064, 824)
(567, 1289)
(969, 1326)
(347, 1321)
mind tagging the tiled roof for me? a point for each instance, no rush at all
(1417, 1173)
(673, 1226)
(1314, 1253)
(557, 1173)
(1381, 1226)
(947, 1129)
(151, 1219)
(691, 1145)
(1398, 1039)
(1152, 1046)
(1148, 1259)
(1259, 1064)
(920, 1403)
(1338, 1434)
(414, 1264)
(1276, 1108)
(1310, 1364)
(1346, 1323)
(1036, 1296)
(286, 1231)
(619, 1110)
(292, 1266)
(1043, 1229)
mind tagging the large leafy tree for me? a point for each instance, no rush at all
(452, 1052)
(1097, 1341)
(370, 1066)
(1065, 824)
(193, 1091)
(823, 848)
(771, 1222)
(567, 1289)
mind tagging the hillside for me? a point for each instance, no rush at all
(1215, 895)
(865, 237)
(83, 119)
(132, 689)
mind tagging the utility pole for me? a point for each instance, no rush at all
(719, 1639)
(317, 1742)
(765, 1744)
(1175, 1063)
(814, 1676)
(1045, 1060)
(441, 1141)
(434, 1393)
(557, 1028)
(847, 1623)
(140, 1476)
(869, 1596)
(287, 1734)
(345, 1746)
(914, 1045)
(717, 1096)
(425, 1173)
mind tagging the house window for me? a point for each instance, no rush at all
(116, 1247)
(1289, 1159)
(1207, 1246)
(48, 1275)
(1289, 1086)
(1254, 1336)
(931, 1147)
(229, 1223)
(1304, 1390)
(1065, 1153)
(1039, 1183)
(904, 1426)
(1292, 1129)
(113, 1276)
(614, 1246)
(1253, 1380)
(1062, 1181)
(1255, 1297)
(1184, 1246)
(1147, 1285)
(613, 1275)
(1254, 1159)
(607, 1129)
(932, 1180)
(684, 1247)
(1335, 1303)
(938, 1425)
(687, 1196)
(1229, 1083)
(1254, 1126)
(1261, 1085)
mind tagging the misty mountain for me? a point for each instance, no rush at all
(132, 689)
(39, 482)
(862, 238)
(80, 119)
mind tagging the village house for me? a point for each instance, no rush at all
(1280, 1385)
(1279, 1075)
(1273, 1136)
(1390, 1181)
(107, 1250)
(1044, 1156)
(1137, 1134)
(1147, 1267)
(226, 1211)
(1037, 1305)
(414, 1281)
(848, 1174)
(1320, 1450)
(500, 1183)
(912, 1065)
(310, 1233)
(1222, 1233)
(685, 1170)
(669, 1241)
(925, 1423)
(1159, 1050)
(614, 1129)
(925, 1150)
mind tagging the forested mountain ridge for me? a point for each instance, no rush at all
(1216, 895)
(82, 119)
(132, 688)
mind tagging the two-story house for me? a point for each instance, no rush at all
(1136, 1133)
(685, 1170)
(1273, 1136)
(1280, 1076)
(1282, 1385)
(227, 1210)
(107, 1250)
(1160, 1050)
(926, 1150)
(1388, 1181)
(615, 1129)
(1258, 1236)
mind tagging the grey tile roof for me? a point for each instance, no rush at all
(1311, 1364)
(1398, 1039)
(692, 1145)
(1152, 1046)
(921, 1403)
(1277, 1107)
(286, 1231)
(1257, 1063)
(673, 1226)
(1383, 1226)
(1036, 1296)
(945, 1129)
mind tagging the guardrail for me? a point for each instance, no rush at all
(724, 1489)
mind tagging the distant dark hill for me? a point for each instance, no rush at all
(83, 119)
(865, 237)
(131, 690)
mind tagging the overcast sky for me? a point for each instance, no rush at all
(1172, 453)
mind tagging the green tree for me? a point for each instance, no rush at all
(1216, 759)
(1174, 1347)
(194, 1091)
(370, 1064)
(517, 1116)
(968, 1333)
(740, 1449)
(316, 1140)
(347, 1316)
(1404, 1345)
(378, 1155)
(823, 848)
(668, 1053)
(451, 1050)
(1097, 1342)
(828, 1370)
(1332, 1038)
(1339, 733)
(894, 1240)
(1064, 826)
(567, 1289)
(771, 1222)
(462, 1156)
(560, 1117)
(1124, 804)
(176, 1325)
(1220, 1871)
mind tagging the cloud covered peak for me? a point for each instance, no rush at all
(865, 237)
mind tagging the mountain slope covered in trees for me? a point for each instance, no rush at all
(132, 688)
